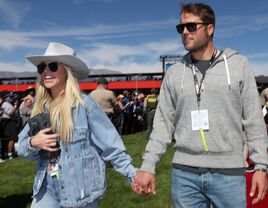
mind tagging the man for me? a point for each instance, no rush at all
(9, 123)
(107, 100)
(150, 103)
(210, 105)
(104, 97)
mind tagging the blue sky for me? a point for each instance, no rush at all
(124, 35)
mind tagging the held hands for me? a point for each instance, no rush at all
(260, 185)
(144, 183)
(45, 141)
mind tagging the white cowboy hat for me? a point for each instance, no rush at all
(64, 54)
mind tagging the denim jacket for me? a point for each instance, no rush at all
(81, 163)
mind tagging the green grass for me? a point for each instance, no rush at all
(16, 180)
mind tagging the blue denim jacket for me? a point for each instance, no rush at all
(81, 163)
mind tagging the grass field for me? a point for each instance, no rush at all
(16, 180)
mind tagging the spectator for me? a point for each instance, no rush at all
(9, 125)
(108, 102)
(128, 113)
(264, 97)
(104, 97)
(1, 113)
(120, 110)
(26, 109)
(138, 112)
(150, 104)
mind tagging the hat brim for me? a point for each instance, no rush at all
(77, 65)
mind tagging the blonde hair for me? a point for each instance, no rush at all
(59, 108)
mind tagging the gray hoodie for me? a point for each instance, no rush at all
(230, 95)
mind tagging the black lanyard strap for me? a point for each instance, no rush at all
(198, 86)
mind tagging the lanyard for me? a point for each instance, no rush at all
(198, 86)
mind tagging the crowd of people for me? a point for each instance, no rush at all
(130, 112)
(14, 113)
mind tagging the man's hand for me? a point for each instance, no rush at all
(144, 183)
(260, 183)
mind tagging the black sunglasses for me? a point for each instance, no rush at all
(53, 66)
(191, 26)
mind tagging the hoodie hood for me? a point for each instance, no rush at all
(224, 55)
(228, 52)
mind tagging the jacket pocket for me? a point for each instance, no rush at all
(78, 146)
(221, 139)
(83, 178)
(94, 172)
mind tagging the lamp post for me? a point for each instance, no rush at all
(168, 58)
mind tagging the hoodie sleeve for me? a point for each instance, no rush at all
(253, 121)
(163, 128)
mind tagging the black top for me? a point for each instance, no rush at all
(202, 65)
(199, 170)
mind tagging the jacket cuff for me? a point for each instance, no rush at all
(148, 166)
(260, 167)
(30, 147)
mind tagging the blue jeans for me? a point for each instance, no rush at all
(190, 190)
(49, 195)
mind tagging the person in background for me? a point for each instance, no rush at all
(26, 109)
(104, 97)
(9, 125)
(209, 103)
(119, 115)
(150, 104)
(1, 113)
(24, 100)
(128, 113)
(71, 153)
(108, 102)
(264, 97)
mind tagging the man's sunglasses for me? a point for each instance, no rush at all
(191, 26)
(53, 66)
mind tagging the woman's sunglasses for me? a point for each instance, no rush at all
(53, 66)
(191, 26)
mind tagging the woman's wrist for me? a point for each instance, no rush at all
(30, 142)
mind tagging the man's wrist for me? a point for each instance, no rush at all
(264, 170)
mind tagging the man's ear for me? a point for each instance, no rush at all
(210, 29)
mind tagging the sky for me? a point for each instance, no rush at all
(124, 35)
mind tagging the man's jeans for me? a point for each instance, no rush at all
(190, 190)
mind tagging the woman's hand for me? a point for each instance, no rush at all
(44, 140)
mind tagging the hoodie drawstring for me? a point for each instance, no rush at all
(227, 71)
(182, 83)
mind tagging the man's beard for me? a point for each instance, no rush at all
(198, 46)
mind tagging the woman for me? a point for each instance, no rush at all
(70, 154)
(26, 108)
